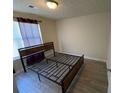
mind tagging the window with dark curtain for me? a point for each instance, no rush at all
(29, 31)
(26, 32)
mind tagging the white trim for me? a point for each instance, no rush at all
(97, 59)
(87, 57)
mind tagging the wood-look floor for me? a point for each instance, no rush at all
(92, 78)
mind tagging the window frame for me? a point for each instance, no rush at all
(40, 33)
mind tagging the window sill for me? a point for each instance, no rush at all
(16, 58)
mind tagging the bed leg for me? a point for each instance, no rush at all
(23, 65)
(39, 77)
(63, 90)
(47, 61)
(62, 86)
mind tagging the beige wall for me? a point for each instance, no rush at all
(85, 34)
(48, 27)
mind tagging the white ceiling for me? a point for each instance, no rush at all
(66, 8)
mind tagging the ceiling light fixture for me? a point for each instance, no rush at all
(52, 4)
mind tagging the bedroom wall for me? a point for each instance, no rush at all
(48, 30)
(109, 65)
(85, 34)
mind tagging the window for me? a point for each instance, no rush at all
(17, 40)
(24, 35)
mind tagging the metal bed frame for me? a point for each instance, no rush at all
(60, 68)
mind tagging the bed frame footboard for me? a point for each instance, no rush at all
(71, 74)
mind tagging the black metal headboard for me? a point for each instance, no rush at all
(35, 53)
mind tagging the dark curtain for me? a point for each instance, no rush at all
(24, 20)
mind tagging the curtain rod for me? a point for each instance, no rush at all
(35, 19)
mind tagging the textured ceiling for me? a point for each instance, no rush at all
(66, 8)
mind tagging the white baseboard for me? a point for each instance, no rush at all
(87, 57)
(97, 59)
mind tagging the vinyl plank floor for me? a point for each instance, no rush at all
(92, 78)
